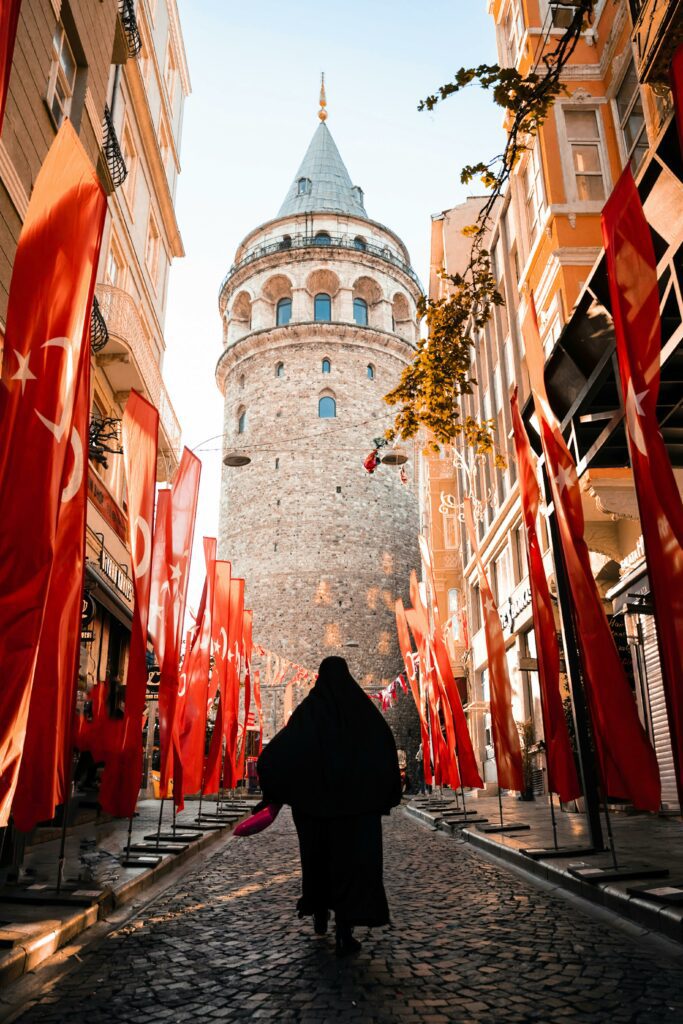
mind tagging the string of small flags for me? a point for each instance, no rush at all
(387, 697)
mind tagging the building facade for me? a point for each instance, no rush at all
(546, 240)
(318, 316)
(118, 70)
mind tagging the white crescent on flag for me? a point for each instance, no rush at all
(59, 429)
(73, 486)
(143, 565)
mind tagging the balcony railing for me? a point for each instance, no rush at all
(130, 27)
(112, 150)
(657, 32)
(99, 335)
(289, 243)
(124, 322)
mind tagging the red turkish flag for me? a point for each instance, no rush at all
(445, 767)
(631, 267)
(196, 692)
(231, 708)
(169, 591)
(467, 762)
(46, 345)
(627, 761)
(45, 772)
(9, 18)
(505, 734)
(409, 660)
(258, 706)
(219, 644)
(247, 647)
(123, 768)
(562, 777)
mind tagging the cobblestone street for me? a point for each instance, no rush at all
(471, 942)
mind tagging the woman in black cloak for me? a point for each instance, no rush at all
(335, 764)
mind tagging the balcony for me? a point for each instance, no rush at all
(130, 27)
(289, 243)
(127, 337)
(111, 165)
(657, 32)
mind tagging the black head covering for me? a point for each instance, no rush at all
(336, 756)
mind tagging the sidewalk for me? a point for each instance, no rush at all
(653, 904)
(35, 922)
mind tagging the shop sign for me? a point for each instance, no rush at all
(116, 573)
(633, 557)
(513, 607)
(107, 507)
(87, 636)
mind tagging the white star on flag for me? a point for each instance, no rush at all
(563, 478)
(634, 410)
(24, 372)
(155, 611)
(488, 604)
(176, 573)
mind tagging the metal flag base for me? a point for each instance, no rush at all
(208, 826)
(671, 894)
(516, 827)
(154, 847)
(50, 895)
(595, 875)
(198, 827)
(141, 861)
(464, 822)
(174, 837)
(547, 853)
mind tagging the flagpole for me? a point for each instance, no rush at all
(161, 811)
(586, 755)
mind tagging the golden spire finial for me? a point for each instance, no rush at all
(322, 113)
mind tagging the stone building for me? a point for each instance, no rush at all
(318, 315)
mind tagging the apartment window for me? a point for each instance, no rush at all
(152, 249)
(533, 193)
(583, 136)
(631, 118)
(450, 531)
(502, 575)
(520, 544)
(454, 612)
(475, 608)
(512, 32)
(62, 80)
(170, 71)
(115, 266)
(561, 13)
(165, 144)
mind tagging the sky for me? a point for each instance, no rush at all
(255, 73)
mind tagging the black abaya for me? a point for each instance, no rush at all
(335, 764)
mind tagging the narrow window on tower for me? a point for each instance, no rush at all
(279, 370)
(322, 307)
(371, 371)
(277, 463)
(284, 312)
(360, 312)
(241, 420)
(327, 366)
(327, 408)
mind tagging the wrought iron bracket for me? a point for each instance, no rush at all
(99, 335)
(130, 27)
(112, 150)
(104, 439)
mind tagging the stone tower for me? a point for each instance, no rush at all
(318, 315)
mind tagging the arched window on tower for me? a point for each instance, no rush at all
(322, 238)
(241, 420)
(327, 366)
(286, 242)
(360, 312)
(322, 307)
(327, 407)
(279, 369)
(303, 186)
(371, 371)
(284, 312)
(359, 243)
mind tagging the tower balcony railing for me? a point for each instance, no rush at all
(289, 243)
(124, 323)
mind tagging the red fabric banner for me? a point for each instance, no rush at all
(175, 546)
(46, 344)
(196, 690)
(259, 708)
(230, 721)
(631, 267)
(562, 777)
(139, 436)
(247, 648)
(627, 761)
(467, 762)
(445, 767)
(45, 772)
(505, 734)
(409, 660)
(9, 18)
(219, 644)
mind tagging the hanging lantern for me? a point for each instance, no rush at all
(396, 456)
(236, 459)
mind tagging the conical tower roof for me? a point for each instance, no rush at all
(326, 185)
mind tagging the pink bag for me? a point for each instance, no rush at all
(258, 822)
